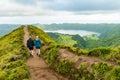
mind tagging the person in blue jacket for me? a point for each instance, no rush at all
(37, 43)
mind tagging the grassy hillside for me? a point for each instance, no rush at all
(73, 63)
(106, 68)
(13, 55)
(85, 42)
(112, 37)
(68, 40)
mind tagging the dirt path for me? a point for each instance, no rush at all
(67, 55)
(38, 69)
(26, 35)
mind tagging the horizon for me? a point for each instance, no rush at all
(59, 11)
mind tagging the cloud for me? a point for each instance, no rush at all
(24, 2)
(11, 8)
(84, 5)
(58, 11)
(95, 18)
(30, 2)
(56, 7)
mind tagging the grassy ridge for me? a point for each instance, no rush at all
(43, 36)
(97, 71)
(13, 55)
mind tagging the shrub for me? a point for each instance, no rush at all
(52, 55)
(100, 52)
(114, 74)
(64, 67)
(100, 70)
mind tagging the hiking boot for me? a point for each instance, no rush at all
(31, 55)
(38, 55)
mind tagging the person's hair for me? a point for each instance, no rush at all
(37, 36)
(29, 36)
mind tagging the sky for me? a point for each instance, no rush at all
(59, 11)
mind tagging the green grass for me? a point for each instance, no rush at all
(93, 37)
(42, 35)
(66, 40)
(11, 45)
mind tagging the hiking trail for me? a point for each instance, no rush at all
(69, 56)
(38, 68)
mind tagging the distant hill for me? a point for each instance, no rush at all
(112, 37)
(109, 33)
(109, 38)
(69, 40)
(6, 28)
(100, 28)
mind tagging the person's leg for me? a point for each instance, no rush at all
(38, 52)
(32, 52)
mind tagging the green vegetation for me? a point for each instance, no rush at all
(108, 54)
(68, 40)
(91, 37)
(112, 37)
(63, 39)
(13, 55)
(43, 36)
(100, 70)
(109, 35)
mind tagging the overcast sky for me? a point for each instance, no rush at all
(59, 11)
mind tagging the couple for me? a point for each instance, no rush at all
(34, 43)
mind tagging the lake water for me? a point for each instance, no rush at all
(73, 32)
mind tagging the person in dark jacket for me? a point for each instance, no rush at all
(37, 43)
(30, 46)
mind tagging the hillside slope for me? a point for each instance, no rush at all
(112, 37)
(78, 64)
(70, 62)
(69, 40)
(13, 55)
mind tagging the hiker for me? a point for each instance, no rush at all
(37, 43)
(30, 45)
